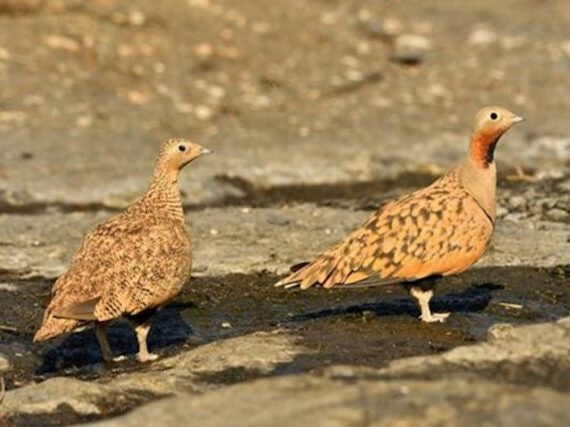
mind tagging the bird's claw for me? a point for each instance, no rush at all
(434, 317)
(149, 357)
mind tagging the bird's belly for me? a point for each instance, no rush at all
(455, 263)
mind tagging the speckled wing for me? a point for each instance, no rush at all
(85, 278)
(149, 277)
(124, 267)
(438, 230)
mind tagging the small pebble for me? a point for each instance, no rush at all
(342, 372)
(204, 50)
(517, 202)
(386, 29)
(564, 185)
(411, 49)
(511, 305)
(136, 18)
(501, 211)
(203, 112)
(4, 363)
(482, 36)
(558, 215)
(277, 219)
(56, 41)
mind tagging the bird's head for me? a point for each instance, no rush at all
(177, 153)
(494, 121)
(489, 125)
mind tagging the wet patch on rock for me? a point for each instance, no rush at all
(536, 355)
(349, 326)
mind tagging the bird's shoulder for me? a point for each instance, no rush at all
(423, 205)
(124, 229)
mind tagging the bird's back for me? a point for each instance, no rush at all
(437, 230)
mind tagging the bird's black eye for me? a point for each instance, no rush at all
(182, 147)
(494, 116)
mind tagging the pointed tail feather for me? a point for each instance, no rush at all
(291, 281)
(286, 283)
(52, 327)
(306, 276)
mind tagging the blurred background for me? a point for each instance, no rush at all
(297, 92)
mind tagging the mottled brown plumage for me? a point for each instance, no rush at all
(132, 264)
(439, 230)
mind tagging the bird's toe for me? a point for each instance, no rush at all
(434, 317)
(149, 357)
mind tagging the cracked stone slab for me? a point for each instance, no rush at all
(529, 354)
(47, 397)
(246, 240)
(516, 369)
(458, 392)
(261, 352)
(309, 400)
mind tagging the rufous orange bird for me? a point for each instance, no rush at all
(439, 230)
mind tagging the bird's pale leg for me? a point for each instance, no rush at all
(142, 330)
(423, 298)
(101, 334)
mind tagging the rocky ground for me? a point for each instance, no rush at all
(318, 112)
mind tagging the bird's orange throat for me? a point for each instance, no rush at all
(482, 148)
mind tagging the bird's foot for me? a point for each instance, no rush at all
(434, 317)
(148, 357)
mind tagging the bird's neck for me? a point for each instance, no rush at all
(163, 194)
(478, 173)
(482, 148)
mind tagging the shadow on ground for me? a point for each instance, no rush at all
(475, 298)
(81, 349)
(369, 326)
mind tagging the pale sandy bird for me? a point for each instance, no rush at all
(439, 230)
(132, 264)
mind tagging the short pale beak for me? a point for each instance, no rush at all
(205, 151)
(517, 119)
